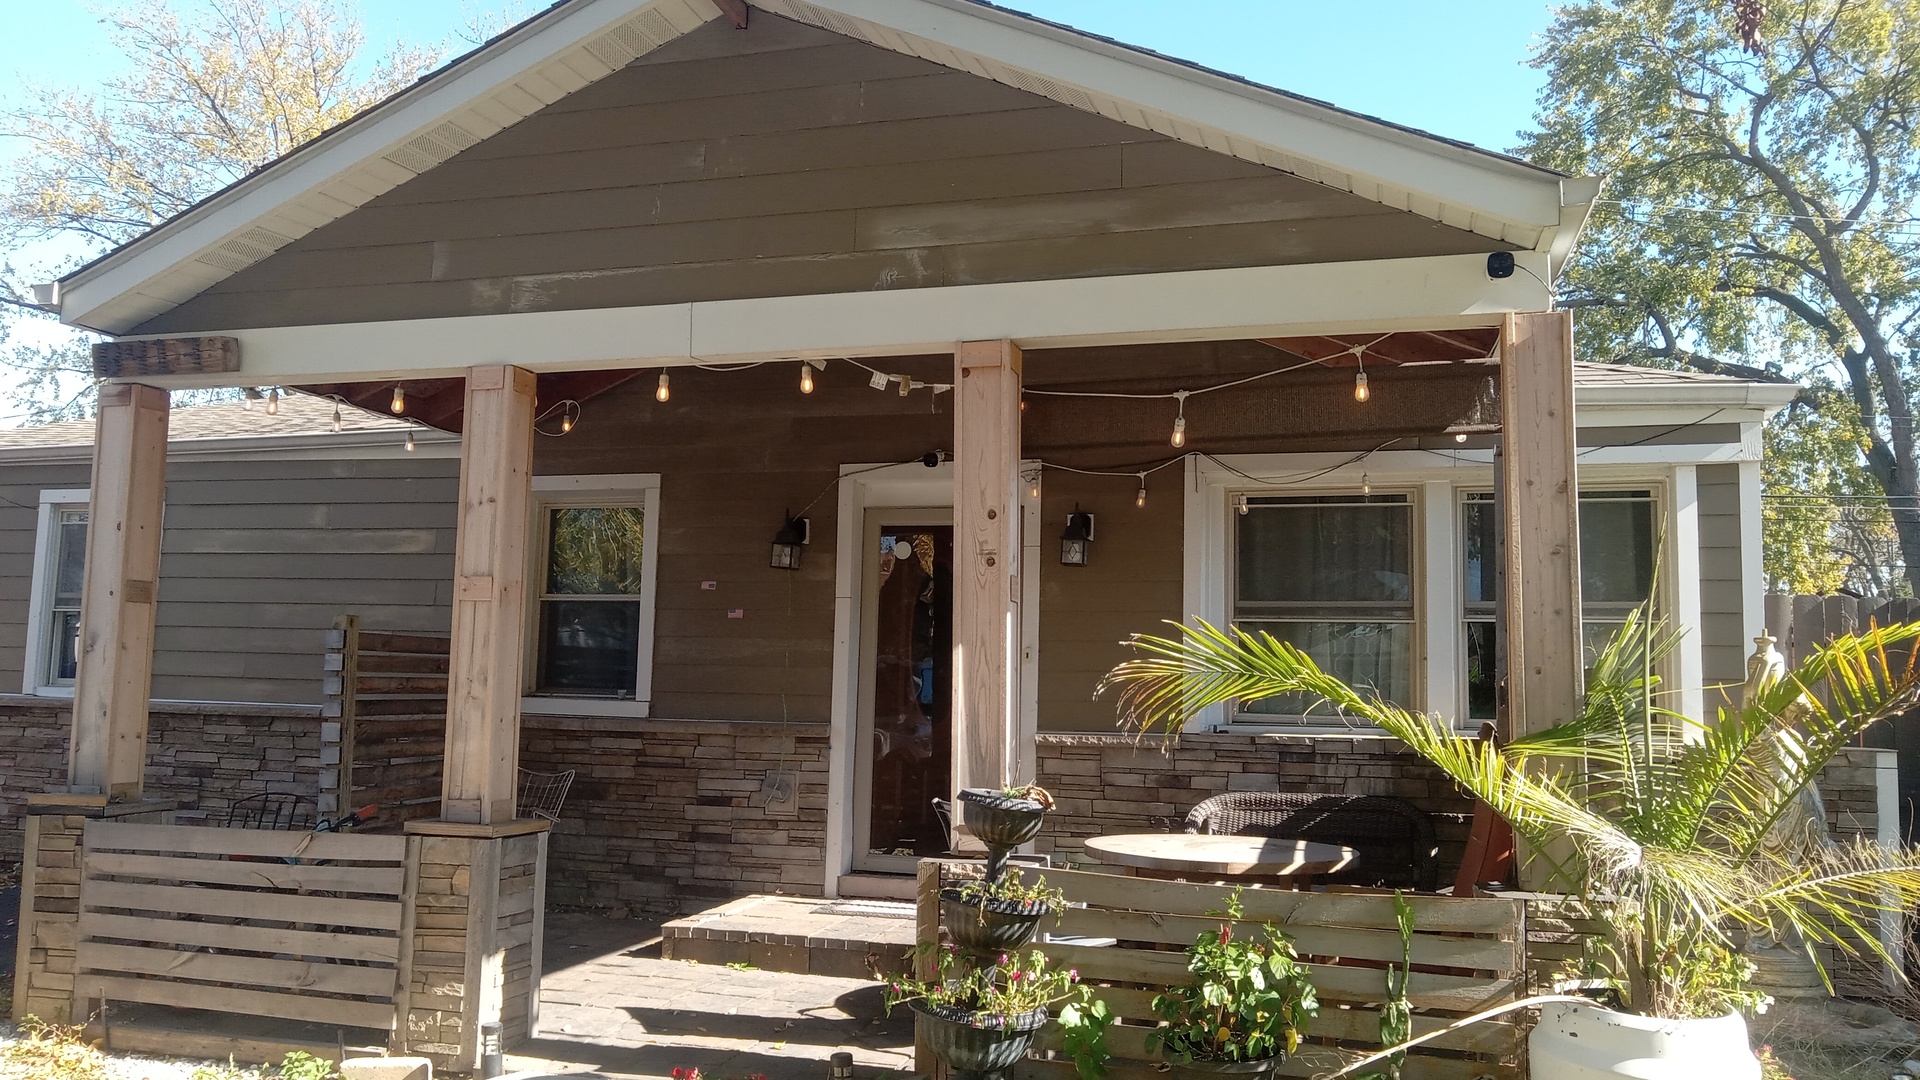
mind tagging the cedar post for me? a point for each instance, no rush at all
(1540, 522)
(986, 553)
(1541, 519)
(489, 597)
(114, 681)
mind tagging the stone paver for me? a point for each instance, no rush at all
(610, 1007)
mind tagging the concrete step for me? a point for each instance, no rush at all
(849, 939)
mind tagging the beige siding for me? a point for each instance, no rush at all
(786, 160)
(1723, 644)
(258, 557)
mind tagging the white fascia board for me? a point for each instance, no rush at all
(311, 169)
(1441, 292)
(430, 442)
(1731, 394)
(1367, 150)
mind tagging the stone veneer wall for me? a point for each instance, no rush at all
(1851, 786)
(666, 809)
(203, 756)
(1115, 784)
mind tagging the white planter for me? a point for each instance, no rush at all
(1587, 1042)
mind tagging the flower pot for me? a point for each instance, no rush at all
(998, 821)
(978, 1044)
(1586, 1042)
(991, 926)
(1209, 1069)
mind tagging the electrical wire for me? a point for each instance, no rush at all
(1358, 350)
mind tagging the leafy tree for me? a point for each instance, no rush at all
(1761, 205)
(215, 90)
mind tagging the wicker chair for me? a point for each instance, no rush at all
(1395, 843)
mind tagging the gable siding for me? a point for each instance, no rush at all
(1723, 643)
(786, 160)
(257, 559)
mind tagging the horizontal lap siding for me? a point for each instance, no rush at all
(785, 160)
(20, 489)
(1723, 644)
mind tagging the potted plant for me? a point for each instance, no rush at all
(1005, 817)
(981, 1018)
(995, 915)
(1660, 822)
(1241, 1015)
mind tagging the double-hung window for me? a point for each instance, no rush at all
(1333, 575)
(1617, 557)
(593, 624)
(53, 616)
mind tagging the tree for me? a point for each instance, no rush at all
(216, 89)
(1761, 204)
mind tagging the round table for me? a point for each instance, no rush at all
(1209, 857)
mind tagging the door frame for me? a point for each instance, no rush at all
(908, 486)
(876, 520)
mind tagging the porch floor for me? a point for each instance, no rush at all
(849, 939)
(612, 1006)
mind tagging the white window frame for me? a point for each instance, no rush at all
(1438, 479)
(40, 594)
(596, 489)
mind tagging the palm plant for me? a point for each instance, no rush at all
(1660, 821)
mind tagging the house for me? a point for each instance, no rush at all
(837, 382)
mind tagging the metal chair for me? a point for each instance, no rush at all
(267, 810)
(1395, 843)
(542, 794)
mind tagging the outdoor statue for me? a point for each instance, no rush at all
(1780, 957)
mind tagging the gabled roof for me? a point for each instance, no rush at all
(299, 415)
(577, 42)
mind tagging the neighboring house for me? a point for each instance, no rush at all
(744, 281)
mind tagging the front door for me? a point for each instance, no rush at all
(905, 745)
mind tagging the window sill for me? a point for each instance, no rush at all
(573, 706)
(51, 692)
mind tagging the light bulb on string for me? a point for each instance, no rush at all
(338, 424)
(906, 385)
(1243, 506)
(1140, 499)
(399, 403)
(566, 422)
(273, 402)
(1366, 485)
(247, 397)
(1361, 392)
(1179, 438)
(663, 390)
(1033, 484)
(410, 444)
(806, 377)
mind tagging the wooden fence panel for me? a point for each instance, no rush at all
(1468, 955)
(388, 693)
(292, 925)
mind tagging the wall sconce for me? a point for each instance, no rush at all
(787, 543)
(1078, 537)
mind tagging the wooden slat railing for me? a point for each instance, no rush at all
(292, 925)
(1468, 955)
(388, 694)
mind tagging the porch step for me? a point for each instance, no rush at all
(850, 939)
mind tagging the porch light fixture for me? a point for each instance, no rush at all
(1075, 541)
(662, 392)
(273, 402)
(399, 404)
(787, 543)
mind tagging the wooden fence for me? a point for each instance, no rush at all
(291, 925)
(388, 693)
(1468, 955)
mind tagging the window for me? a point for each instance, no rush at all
(1617, 553)
(53, 615)
(1333, 575)
(593, 624)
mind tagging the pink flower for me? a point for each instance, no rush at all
(1073, 974)
(1003, 958)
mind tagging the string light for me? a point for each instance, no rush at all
(338, 423)
(1179, 438)
(410, 445)
(399, 404)
(1033, 483)
(906, 385)
(1140, 499)
(248, 397)
(569, 411)
(273, 402)
(663, 390)
(806, 377)
(566, 424)
(1243, 506)
(1366, 485)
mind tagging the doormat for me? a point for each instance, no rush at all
(885, 909)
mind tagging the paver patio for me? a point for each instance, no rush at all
(611, 1007)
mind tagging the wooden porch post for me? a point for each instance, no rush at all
(986, 555)
(1541, 519)
(489, 597)
(115, 676)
